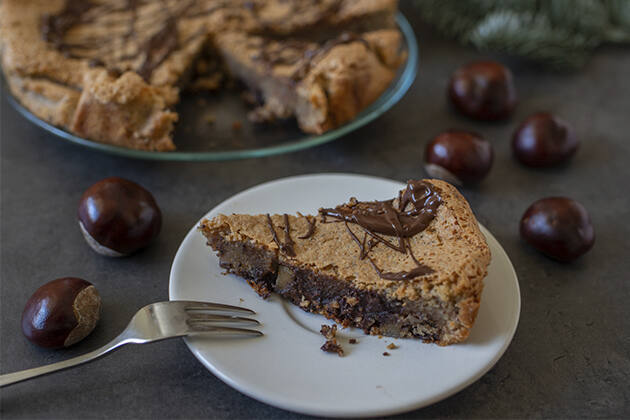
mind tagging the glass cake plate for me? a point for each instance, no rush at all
(286, 368)
(206, 128)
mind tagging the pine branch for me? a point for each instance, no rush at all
(559, 33)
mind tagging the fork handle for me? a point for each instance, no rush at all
(22, 375)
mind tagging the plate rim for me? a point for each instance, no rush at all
(351, 413)
(397, 89)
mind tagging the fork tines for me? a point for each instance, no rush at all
(196, 317)
(201, 320)
(209, 306)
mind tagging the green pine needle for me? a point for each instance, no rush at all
(560, 33)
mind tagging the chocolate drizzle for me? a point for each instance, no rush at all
(412, 213)
(54, 27)
(158, 47)
(383, 217)
(419, 270)
(288, 53)
(309, 12)
(311, 228)
(145, 50)
(302, 54)
(417, 206)
(142, 53)
(287, 245)
(313, 56)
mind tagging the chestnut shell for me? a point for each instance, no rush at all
(50, 314)
(120, 215)
(559, 227)
(543, 139)
(459, 157)
(483, 90)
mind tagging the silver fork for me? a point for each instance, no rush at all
(155, 322)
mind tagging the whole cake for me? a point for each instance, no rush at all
(112, 70)
(412, 266)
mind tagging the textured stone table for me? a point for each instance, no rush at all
(571, 353)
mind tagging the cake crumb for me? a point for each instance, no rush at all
(304, 303)
(210, 119)
(353, 341)
(380, 337)
(392, 346)
(237, 125)
(328, 331)
(241, 300)
(385, 353)
(331, 345)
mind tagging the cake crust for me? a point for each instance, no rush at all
(439, 306)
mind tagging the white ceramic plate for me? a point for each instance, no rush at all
(286, 367)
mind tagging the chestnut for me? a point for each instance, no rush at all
(458, 157)
(483, 90)
(543, 139)
(559, 227)
(61, 312)
(118, 217)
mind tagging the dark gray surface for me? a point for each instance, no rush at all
(571, 353)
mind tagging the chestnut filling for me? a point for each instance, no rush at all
(371, 311)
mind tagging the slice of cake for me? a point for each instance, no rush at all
(412, 266)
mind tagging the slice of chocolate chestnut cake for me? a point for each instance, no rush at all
(412, 266)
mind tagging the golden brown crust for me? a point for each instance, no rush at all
(124, 111)
(47, 100)
(475, 268)
(346, 81)
(453, 246)
(49, 82)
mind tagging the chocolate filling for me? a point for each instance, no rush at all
(336, 299)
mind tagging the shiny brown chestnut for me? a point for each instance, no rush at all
(118, 217)
(543, 139)
(458, 157)
(559, 227)
(61, 312)
(483, 90)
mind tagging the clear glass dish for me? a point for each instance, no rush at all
(213, 126)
